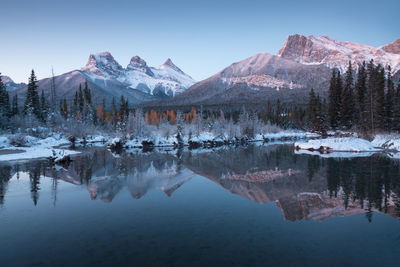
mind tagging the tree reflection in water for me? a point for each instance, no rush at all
(302, 186)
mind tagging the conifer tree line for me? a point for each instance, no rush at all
(81, 109)
(366, 101)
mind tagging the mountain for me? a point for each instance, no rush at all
(324, 50)
(108, 79)
(254, 80)
(301, 64)
(10, 84)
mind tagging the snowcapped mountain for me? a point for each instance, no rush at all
(254, 80)
(336, 54)
(166, 80)
(108, 79)
(301, 64)
(10, 84)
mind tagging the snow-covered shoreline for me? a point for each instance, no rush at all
(351, 146)
(339, 144)
(304, 143)
(205, 139)
(34, 148)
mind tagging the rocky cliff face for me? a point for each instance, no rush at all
(393, 48)
(336, 54)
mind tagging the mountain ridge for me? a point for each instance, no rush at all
(301, 64)
(108, 79)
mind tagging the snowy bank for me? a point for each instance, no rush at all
(387, 141)
(33, 147)
(37, 152)
(204, 139)
(346, 144)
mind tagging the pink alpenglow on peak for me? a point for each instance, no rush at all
(336, 54)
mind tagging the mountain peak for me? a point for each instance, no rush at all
(102, 59)
(102, 64)
(393, 48)
(6, 80)
(170, 64)
(138, 63)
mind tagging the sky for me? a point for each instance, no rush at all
(201, 37)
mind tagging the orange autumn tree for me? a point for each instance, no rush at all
(100, 112)
(153, 118)
(171, 116)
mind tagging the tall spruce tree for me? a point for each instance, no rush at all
(32, 103)
(81, 99)
(335, 89)
(380, 98)
(15, 110)
(87, 94)
(347, 107)
(396, 110)
(389, 100)
(369, 99)
(361, 89)
(312, 111)
(4, 100)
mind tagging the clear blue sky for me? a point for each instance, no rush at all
(201, 37)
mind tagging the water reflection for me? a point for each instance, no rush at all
(302, 186)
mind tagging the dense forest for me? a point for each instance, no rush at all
(366, 102)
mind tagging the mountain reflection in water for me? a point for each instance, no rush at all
(302, 186)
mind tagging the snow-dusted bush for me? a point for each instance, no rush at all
(18, 140)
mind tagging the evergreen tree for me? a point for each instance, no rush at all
(64, 110)
(87, 94)
(361, 88)
(278, 112)
(389, 101)
(312, 111)
(122, 109)
(4, 100)
(15, 110)
(396, 110)
(338, 95)
(369, 99)
(43, 106)
(335, 90)
(75, 104)
(380, 97)
(32, 104)
(81, 100)
(347, 106)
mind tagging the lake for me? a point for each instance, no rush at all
(257, 205)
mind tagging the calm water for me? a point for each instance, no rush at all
(254, 206)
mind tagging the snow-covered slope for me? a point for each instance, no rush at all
(165, 80)
(10, 84)
(256, 79)
(336, 54)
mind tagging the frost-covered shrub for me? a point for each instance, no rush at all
(18, 140)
